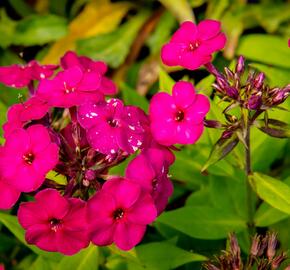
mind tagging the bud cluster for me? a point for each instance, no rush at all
(263, 255)
(250, 91)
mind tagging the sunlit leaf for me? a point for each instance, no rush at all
(85, 259)
(182, 11)
(274, 192)
(113, 47)
(203, 222)
(154, 256)
(98, 17)
(267, 49)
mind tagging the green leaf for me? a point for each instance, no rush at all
(182, 11)
(203, 222)
(85, 259)
(22, 8)
(165, 81)
(269, 49)
(229, 193)
(39, 29)
(56, 177)
(267, 215)
(11, 223)
(155, 256)
(113, 47)
(276, 76)
(161, 33)
(274, 192)
(43, 264)
(221, 149)
(131, 97)
(274, 128)
(7, 27)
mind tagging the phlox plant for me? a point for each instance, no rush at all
(74, 125)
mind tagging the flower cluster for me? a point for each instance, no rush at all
(69, 127)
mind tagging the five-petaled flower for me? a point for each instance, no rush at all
(192, 46)
(119, 213)
(178, 119)
(27, 156)
(55, 223)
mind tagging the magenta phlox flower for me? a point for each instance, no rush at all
(112, 126)
(19, 76)
(19, 115)
(70, 59)
(8, 194)
(192, 46)
(178, 119)
(27, 156)
(71, 87)
(55, 223)
(149, 169)
(119, 213)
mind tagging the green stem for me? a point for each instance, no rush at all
(248, 172)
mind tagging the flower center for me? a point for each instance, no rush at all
(55, 224)
(28, 158)
(68, 89)
(193, 45)
(118, 214)
(179, 116)
(112, 122)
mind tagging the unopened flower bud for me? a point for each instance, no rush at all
(90, 175)
(229, 73)
(254, 102)
(222, 82)
(240, 67)
(227, 134)
(232, 92)
(281, 95)
(255, 245)
(278, 260)
(210, 266)
(259, 80)
(272, 243)
(212, 123)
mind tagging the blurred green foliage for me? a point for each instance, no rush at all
(128, 35)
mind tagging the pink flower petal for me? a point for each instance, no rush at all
(194, 60)
(108, 87)
(143, 211)
(141, 171)
(17, 142)
(102, 138)
(8, 194)
(104, 236)
(208, 29)
(39, 138)
(70, 59)
(212, 45)
(71, 242)
(46, 159)
(171, 53)
(128, 235)
(125, 192)
(164, 132)
(187, 133)
(187, 32)
(183, 94)
(196, 113)
(162, 107)
(53, 203)
(41, 236)
(91, 81)
(89, 114)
